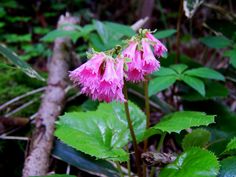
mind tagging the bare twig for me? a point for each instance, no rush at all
(137, 25)
(37, 162)
(22, 96)
(14, 138)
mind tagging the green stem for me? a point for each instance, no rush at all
(128, 163)
(135, 145)
(159, 146)
(119, 169)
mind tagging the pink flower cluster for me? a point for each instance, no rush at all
(102, 77)
(143, 61)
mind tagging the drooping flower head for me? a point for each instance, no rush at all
(100, 78)
(142, 57)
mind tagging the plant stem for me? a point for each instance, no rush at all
(159, 146)
(178, 31)
(135, 145)
(128, 163)
(147, 111)
(119, 169)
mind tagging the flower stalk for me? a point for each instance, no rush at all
(135, 145)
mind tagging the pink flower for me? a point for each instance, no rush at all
(159, 48)
(149, 62)
(100, 78)
(130, 50)
(135, 71)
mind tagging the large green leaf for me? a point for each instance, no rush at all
(164, 33)
(195, 162)
(231, 145)
(195, 83)
(13, 58)
(198, 137)
(216, 41)
(84, 161)
(101, 133)
(164, 72)
(178, 121)
(204, 72)
(228, 167)
(160, 83)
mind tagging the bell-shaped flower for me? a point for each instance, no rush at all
(149, 62)
(159, 48)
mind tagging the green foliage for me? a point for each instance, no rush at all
(232, 56)
(12, 57)
(164, 33)
(178, 121)
(231, 145)
(216, 41)
(228, 167)
(101, 133)
(195, 83)
(194, 162)
(198, 137)
(83, 161)
(160, 83)
(166, 77)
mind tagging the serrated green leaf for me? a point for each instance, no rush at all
(84, 161)
(178, 121)
(25, 67)
(164, 72)
(197, 138)
(179, 68)
(228, 167)
(101, 133)
(195, 83)
(160, 83)
(231, 145)
(216, 41)
(232, 55)
(195, 162)
(204, 72)
(164, 33)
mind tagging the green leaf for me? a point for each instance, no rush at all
(216, 41)
(101, 133)
(213, 90)
(13, 58)
(198, 137)
(178, 121)
(231, 145)
(228, 167)
(195, 83)
(83, 161)
(56, 175)
(164, 33)
(119, 28)
(179, 68)
(160, 83)
(59, 33)
(205, 73)
(164, 72)
(232, 55)
(195, 162)
(102, 31)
